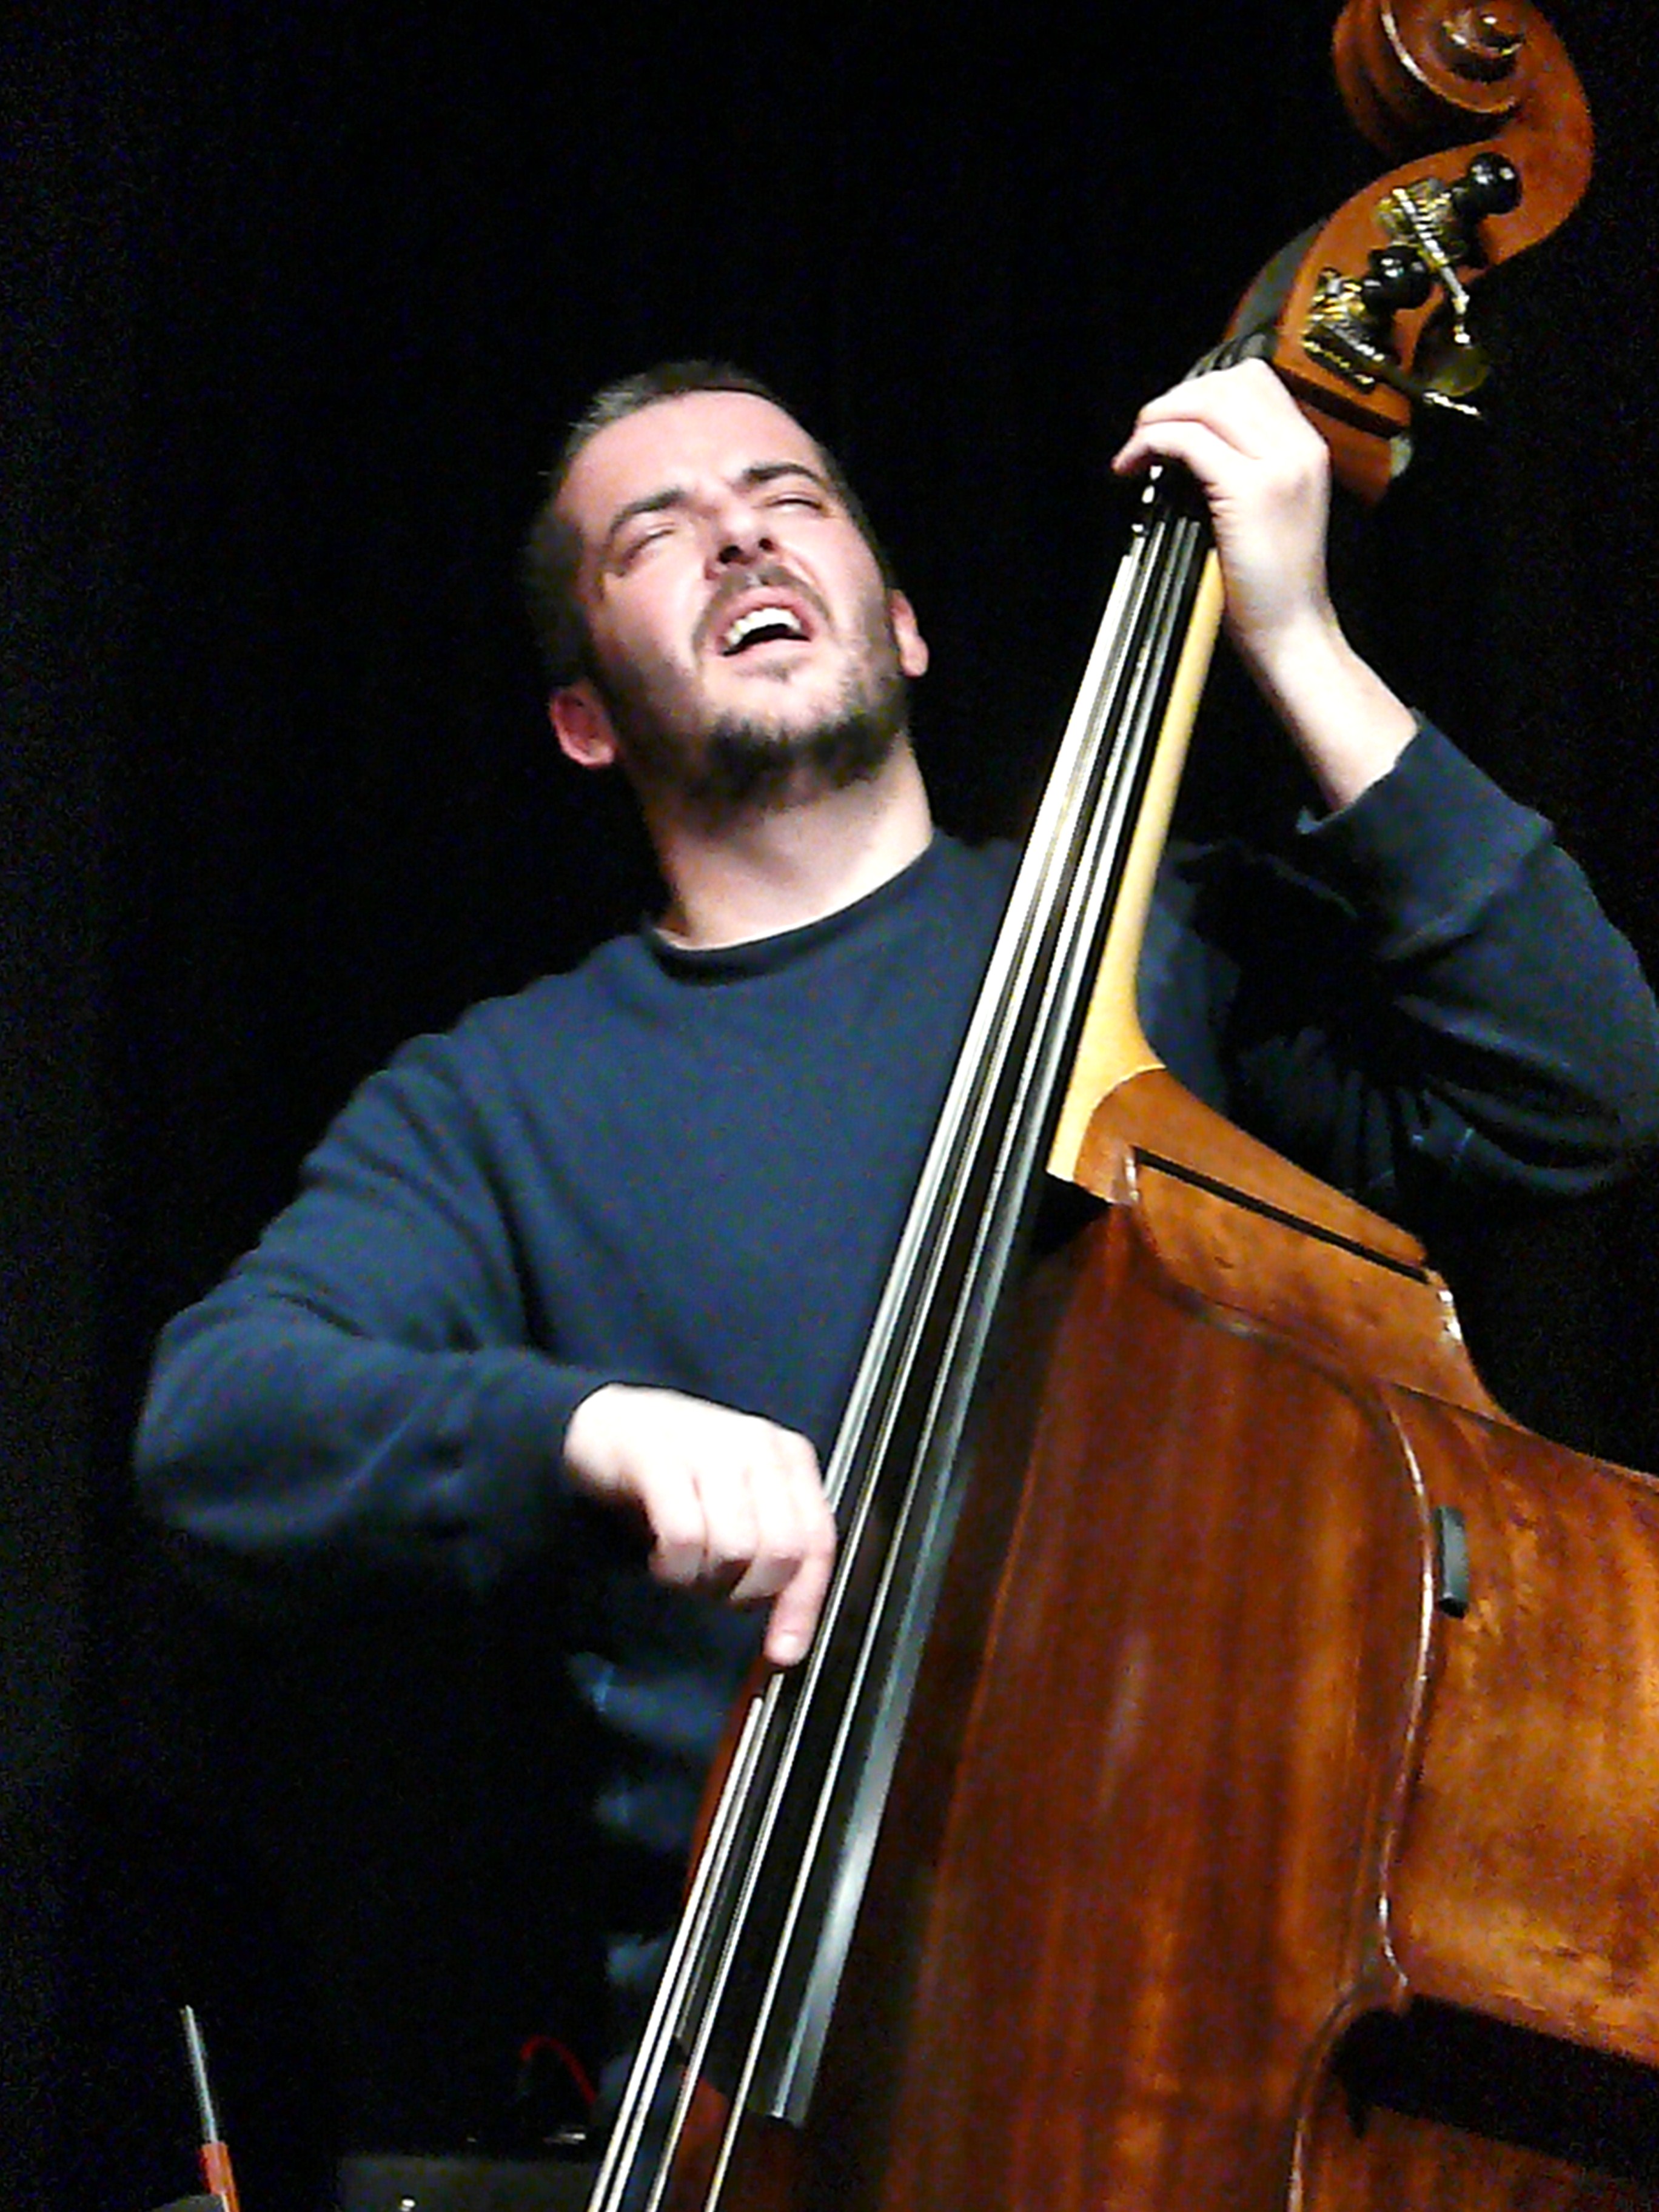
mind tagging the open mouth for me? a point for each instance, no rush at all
(757, 626)
(766, 607)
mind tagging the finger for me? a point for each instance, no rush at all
(729, 1497)
(791, 1518)
(1247, 407)
(671, 1501)
(795, 1614)
(1215, 460)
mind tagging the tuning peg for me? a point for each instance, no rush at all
(1397, 276)
(1489, 185)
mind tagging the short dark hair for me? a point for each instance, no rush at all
(552, 552)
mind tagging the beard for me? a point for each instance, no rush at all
(721, 769)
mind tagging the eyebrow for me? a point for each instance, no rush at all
(673, 496)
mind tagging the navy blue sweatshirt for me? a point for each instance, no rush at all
(689, 1169)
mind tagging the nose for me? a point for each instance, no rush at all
(738, 534)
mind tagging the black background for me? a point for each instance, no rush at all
(301, 299)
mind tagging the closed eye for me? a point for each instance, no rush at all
(640, 542)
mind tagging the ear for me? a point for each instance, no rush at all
(583, 726)
(912, 645)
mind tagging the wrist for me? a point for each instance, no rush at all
(587, 1447)
(1347, 724)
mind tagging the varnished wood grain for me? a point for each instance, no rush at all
(1152, 1116)
(1203, 1775)
(1131, 1876)
(1528, 1881)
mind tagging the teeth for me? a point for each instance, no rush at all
(760, 618)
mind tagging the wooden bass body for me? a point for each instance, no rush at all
(1204, 1780)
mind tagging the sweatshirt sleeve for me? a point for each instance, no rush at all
(367, 1377)
(1426, 1005)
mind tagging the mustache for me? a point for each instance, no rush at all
(758, 575)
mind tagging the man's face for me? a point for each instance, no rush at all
(745, 644)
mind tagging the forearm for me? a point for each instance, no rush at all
(1347, 724)
(272, 1433)
(1507, 1036)
(370, 1378)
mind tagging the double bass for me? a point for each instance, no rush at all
(1212, 1674)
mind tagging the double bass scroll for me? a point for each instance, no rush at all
(1373, 322)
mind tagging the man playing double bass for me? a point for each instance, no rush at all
(576, 1292)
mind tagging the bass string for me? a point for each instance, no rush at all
(764, 1857)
